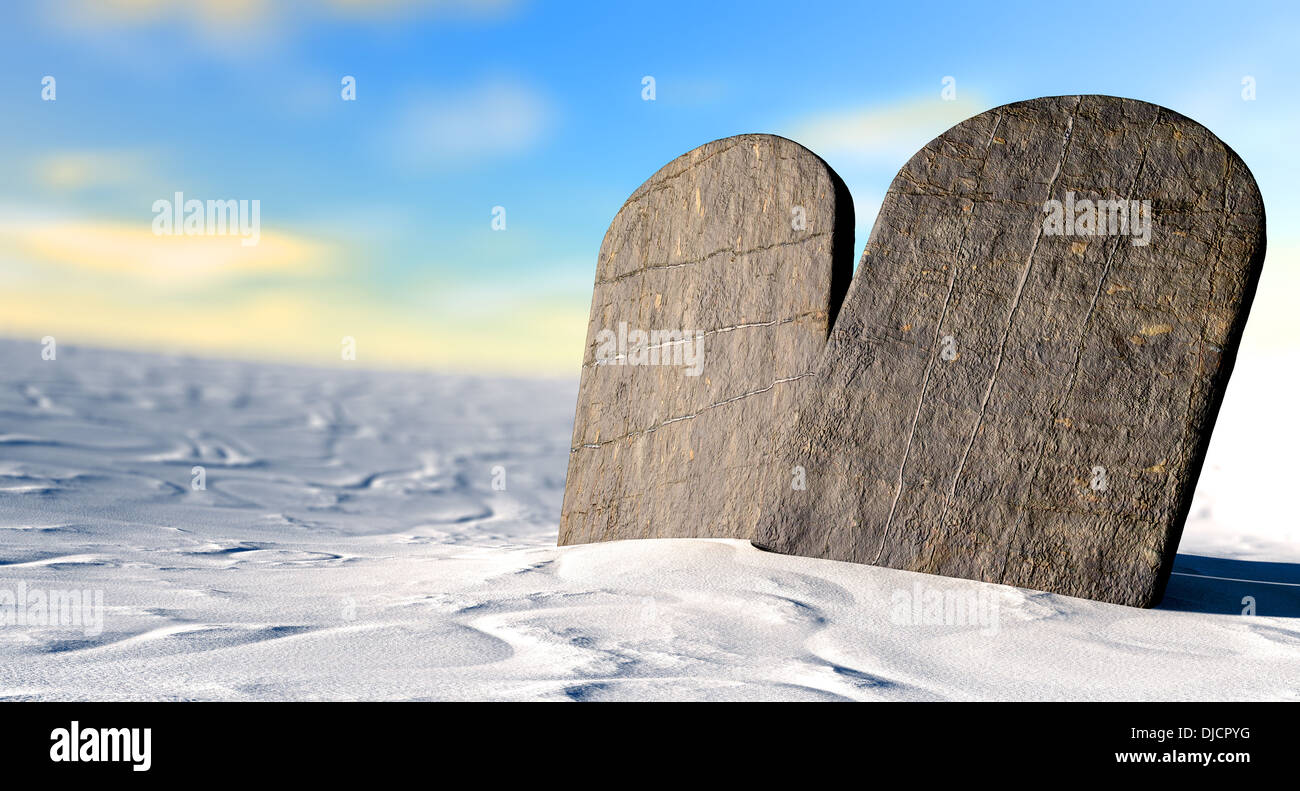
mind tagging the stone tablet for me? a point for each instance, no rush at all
(1022, 381)
(716, 287)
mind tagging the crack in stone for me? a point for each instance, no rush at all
(925, 380)
(1015, 306)
(707, 256)
(697, 413)
(662, 184)
(1078, 357)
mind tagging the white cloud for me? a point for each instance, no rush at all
(882, 134)
(493, 120)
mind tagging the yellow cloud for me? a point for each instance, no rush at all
(136, 254)
(303, 326)
(289, 298)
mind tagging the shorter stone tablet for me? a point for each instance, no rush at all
(716, 285)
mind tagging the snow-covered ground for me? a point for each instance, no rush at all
(350, 544)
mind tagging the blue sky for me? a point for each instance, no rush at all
(377, 213)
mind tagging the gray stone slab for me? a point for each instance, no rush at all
(1004, 403)
(747, 240)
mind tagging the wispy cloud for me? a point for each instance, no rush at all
(248, 13)
(493, 120)
(236, 29)
(881, 134)
(76, 170)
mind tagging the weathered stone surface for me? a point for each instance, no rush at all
(749, 240)
(1006, 405)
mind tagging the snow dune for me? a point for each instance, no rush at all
(350, 544)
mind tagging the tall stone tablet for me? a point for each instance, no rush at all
(716, 286)
(1022, 381)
